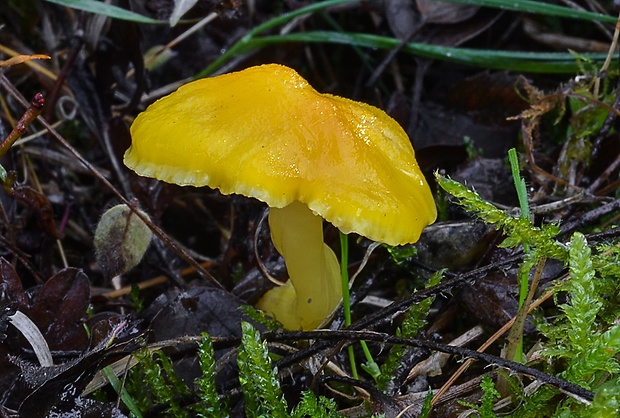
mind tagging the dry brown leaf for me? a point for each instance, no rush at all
(434, 11)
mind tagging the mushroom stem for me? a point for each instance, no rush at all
(313, 289)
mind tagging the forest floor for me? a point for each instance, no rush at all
(532, 302)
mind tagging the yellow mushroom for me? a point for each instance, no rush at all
(264, 132)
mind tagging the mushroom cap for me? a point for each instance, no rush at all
(264, 132)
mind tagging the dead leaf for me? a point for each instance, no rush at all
(401, 17)
(198, 309)
(57, 391)
(121, 239)
(12, 285)
(434, 11)
(37, 202)
(59, 307)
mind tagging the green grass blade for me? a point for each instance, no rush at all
(101, 8)
(519, 183)
(541, 8)
(117, 385)
(532, 62)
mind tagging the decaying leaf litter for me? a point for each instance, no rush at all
(211, 253)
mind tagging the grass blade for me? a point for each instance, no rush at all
(532, 62)
(541, 8)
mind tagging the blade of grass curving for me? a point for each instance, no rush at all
(346, 301)
(515, 340)
(117, 385)
(519, 182)
(541, 8)
(101, 8)
(532, 62)
(370, 366)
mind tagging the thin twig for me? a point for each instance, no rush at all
(572, 389)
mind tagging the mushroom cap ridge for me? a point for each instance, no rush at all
(264, 132)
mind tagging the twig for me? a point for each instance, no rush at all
(589, 217)
(605, 175)
(150, 282)
(573, 390)
(486, 345)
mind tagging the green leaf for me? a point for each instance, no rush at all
(173, 387)
(401, 253)
(158, 379)
(606, 400)
(104, 9)
(583, 307)
(487, 402)
(310, 406)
